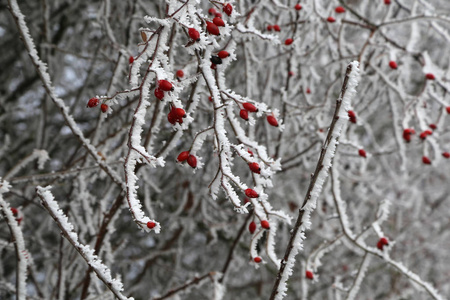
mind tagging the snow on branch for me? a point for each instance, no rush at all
(67, 229)
(303, 222)
(19, 243)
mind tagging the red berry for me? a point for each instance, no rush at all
(194, 34)
(151, 225)
(298, 6)
(423, 135)
(183, 156)
(212, 28)
(159, 93)
(433, 126)
(407, 134)
(254, 167)
(287, 42)
(93, 102)
(426, 160)
(218, 14)
(309, 275)
(446, 154)
(291, 73)
(244, 114)
(382, 242)
(429, 76)
(428, 132)
(210, 99)
(131, 59)
(265, 224)
(14, 211)
(272, 121)
(250, 107)
(339, 10)
(223, 54)
(269, 27)
(165, 85)
(351, 114)
(252, 227)
(308, 91)
(219, 22)
(393, 64)
(276, 28)
(448, 109)
(228, 9)
(180, 73)
(171, 118)
(180, 113)
(331, 20)
(192, 161)
(362, 152)
(251, 193)
(104, 108)
(213, 66)
(250, 152)
(212, 11)
(257, 259)
(353, 120)
(387, 2)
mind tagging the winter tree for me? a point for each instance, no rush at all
(188, 149)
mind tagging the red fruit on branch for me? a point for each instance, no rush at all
(212, 11)
(151, 225)
(269, 27)
(393, 64)
(194, 34)
(308, 91)
(183, 156)
(192, 161)
(433, 126)
(257, 259)
(254, 167)
(213, 66)
(387, 2)
(180, 73)
(290, 74)
(298, 6)
(104, 108)
(276, 28)
(272, 121)
(180, 113)
(223, 54)
(165, 85)
(265, 224)
(423, 135)
(159, 93)
(218, 14)
(407, 134)
(382, 242)
(250, 152)
(218, 22)
(446, 154)
(244, 114)
(309, 275)
(251, 193)
(212, 28)
(339, 10)
(362, 153)
(228, 9)
(252, 227)
(429, 76)
(287, 42)
(448, 109)
(210, 99)
(426, 160)
(93, 102)
(131, 59)
(14, 211)
(331, 20)
(351, 114)
(428, 132)
(250, 107)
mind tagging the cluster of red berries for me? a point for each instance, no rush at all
(247, 107)
(407, 134)
(252, 226)
(163, 86)
(186, 156)
(382, 242)
(423, 135)
(176, 115)
(352, 116)
(274, 27)
(93, 102)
